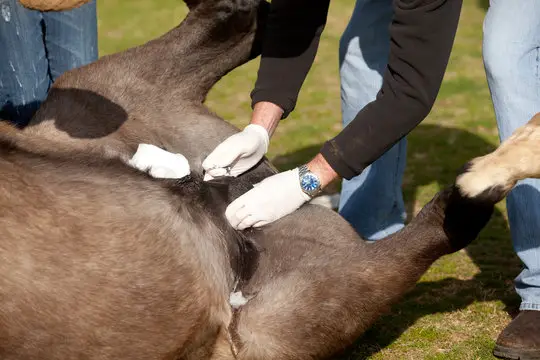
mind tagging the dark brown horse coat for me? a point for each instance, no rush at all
(101, 261)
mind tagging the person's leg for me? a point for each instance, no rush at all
(373, 201)
(71, 38)
(511, 52)
(24, 76)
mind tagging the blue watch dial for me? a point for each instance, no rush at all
(309, 182)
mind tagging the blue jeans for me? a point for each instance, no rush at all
(372, 201)
(511, 52)
(37, 47)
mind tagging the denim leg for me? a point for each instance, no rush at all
(511, 58)
(24, 76)
(71, 38)
(373, 201)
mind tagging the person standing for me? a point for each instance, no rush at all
(36, 47)
(511, 51)
(393, 57)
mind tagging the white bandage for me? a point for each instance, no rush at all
(236, 299)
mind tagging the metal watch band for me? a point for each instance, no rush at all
(302, 170)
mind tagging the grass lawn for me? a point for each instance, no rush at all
(464, 300)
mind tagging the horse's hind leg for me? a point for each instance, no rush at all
(325, 298)
(322, 287)
(313, 313)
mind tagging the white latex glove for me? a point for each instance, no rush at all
(160, 163)
(269, 200)
(238, 153)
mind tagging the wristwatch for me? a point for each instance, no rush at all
(309, 182)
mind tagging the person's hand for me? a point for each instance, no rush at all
(276, 196)
(238, 153)
(269, 200)
(160, 163)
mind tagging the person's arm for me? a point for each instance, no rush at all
(291, 39)
(422, 34)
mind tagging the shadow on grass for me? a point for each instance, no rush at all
(435, 154)
(483, 4)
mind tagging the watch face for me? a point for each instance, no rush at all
(309, 182)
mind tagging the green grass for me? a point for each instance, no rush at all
(460, 305)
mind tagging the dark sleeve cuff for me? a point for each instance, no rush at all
(334, 157)
(284, 102)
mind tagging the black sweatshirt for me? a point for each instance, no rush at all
(421, 38)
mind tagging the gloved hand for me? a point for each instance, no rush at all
(238, 153)
(160, 163)
(269, 200)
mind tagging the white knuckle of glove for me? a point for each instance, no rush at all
(159, 163)
(240, 152)
(270, 200)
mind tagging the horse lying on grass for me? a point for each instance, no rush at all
(102, 261)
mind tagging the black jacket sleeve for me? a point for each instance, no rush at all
(422, 34)
(421, 38)
(291, 39)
